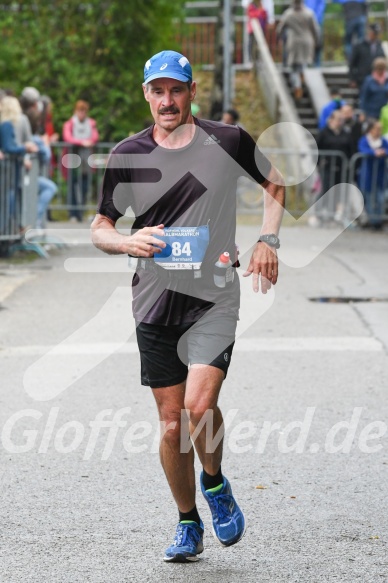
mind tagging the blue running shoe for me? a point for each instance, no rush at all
(229, 523)
(188, 543)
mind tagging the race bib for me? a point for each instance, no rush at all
(185, 249)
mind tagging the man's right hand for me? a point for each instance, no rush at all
(142, 243)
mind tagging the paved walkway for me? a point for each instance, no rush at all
(82, 503)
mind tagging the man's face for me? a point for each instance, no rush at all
(170, 102)
(336, 120)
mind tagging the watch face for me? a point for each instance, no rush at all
(270, 240)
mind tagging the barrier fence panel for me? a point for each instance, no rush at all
(333, 168)
(79, 183)
(370, 174)
(329, 191)
(29, 194)
(10, 201)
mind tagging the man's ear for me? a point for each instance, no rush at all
(193, 90)
(145, 91)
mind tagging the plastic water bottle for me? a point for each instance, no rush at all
(223, 270)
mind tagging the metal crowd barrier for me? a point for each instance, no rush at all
(332, 168)
(10, 201)
(370, 174)
(78, 183)
(330, 194)
(18, 200)
(29, 194)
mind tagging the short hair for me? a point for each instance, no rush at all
(334, 113)
(335, 91)
(81, 105)
(379, 63)
(234, 114)
(30, 94)
(371, 122)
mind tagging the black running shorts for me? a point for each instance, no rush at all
(166, 352)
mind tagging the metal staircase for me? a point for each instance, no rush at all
(304, 107)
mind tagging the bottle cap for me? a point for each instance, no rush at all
(224, 258)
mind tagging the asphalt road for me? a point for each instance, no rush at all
(87, 503)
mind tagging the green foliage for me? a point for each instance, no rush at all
(94, 50)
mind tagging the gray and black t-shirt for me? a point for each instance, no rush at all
(192, 186)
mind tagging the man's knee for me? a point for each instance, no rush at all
(171, 426)
(200, 410)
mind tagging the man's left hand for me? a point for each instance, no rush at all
(264, 266)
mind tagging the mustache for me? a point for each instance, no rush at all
(168, 110)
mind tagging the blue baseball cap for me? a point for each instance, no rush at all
(168, 64)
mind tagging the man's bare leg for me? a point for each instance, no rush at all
(202, 390)
(178, 466)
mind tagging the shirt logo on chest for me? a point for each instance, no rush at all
(211, 140)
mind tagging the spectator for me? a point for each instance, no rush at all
(318, 7)
(46, 122)
(35, 110)
(374, 90)
(353, 125)
(363, 55)
(255, 11)
(384, 120)
(333, 138)
(230, 117)
(372, 180)
(80, 131)
(302, 38)
(47, 189)
(335, 103)
(10, 114)
(355, 16)
(32, 107)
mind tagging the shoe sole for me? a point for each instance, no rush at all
(234, 542)
(181, 559)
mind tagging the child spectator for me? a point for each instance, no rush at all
(80, 131)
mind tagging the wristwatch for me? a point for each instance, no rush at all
(270, 239)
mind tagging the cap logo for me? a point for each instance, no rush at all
(163, 67)
(183, 62)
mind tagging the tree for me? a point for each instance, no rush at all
(94, 51)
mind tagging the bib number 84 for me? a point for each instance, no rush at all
(178, 249)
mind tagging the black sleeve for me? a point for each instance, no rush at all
(116, 193)
(251, 159)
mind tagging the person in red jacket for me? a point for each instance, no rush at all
(81, 132)
(255, 10)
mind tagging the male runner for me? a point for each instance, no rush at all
(185, 323)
